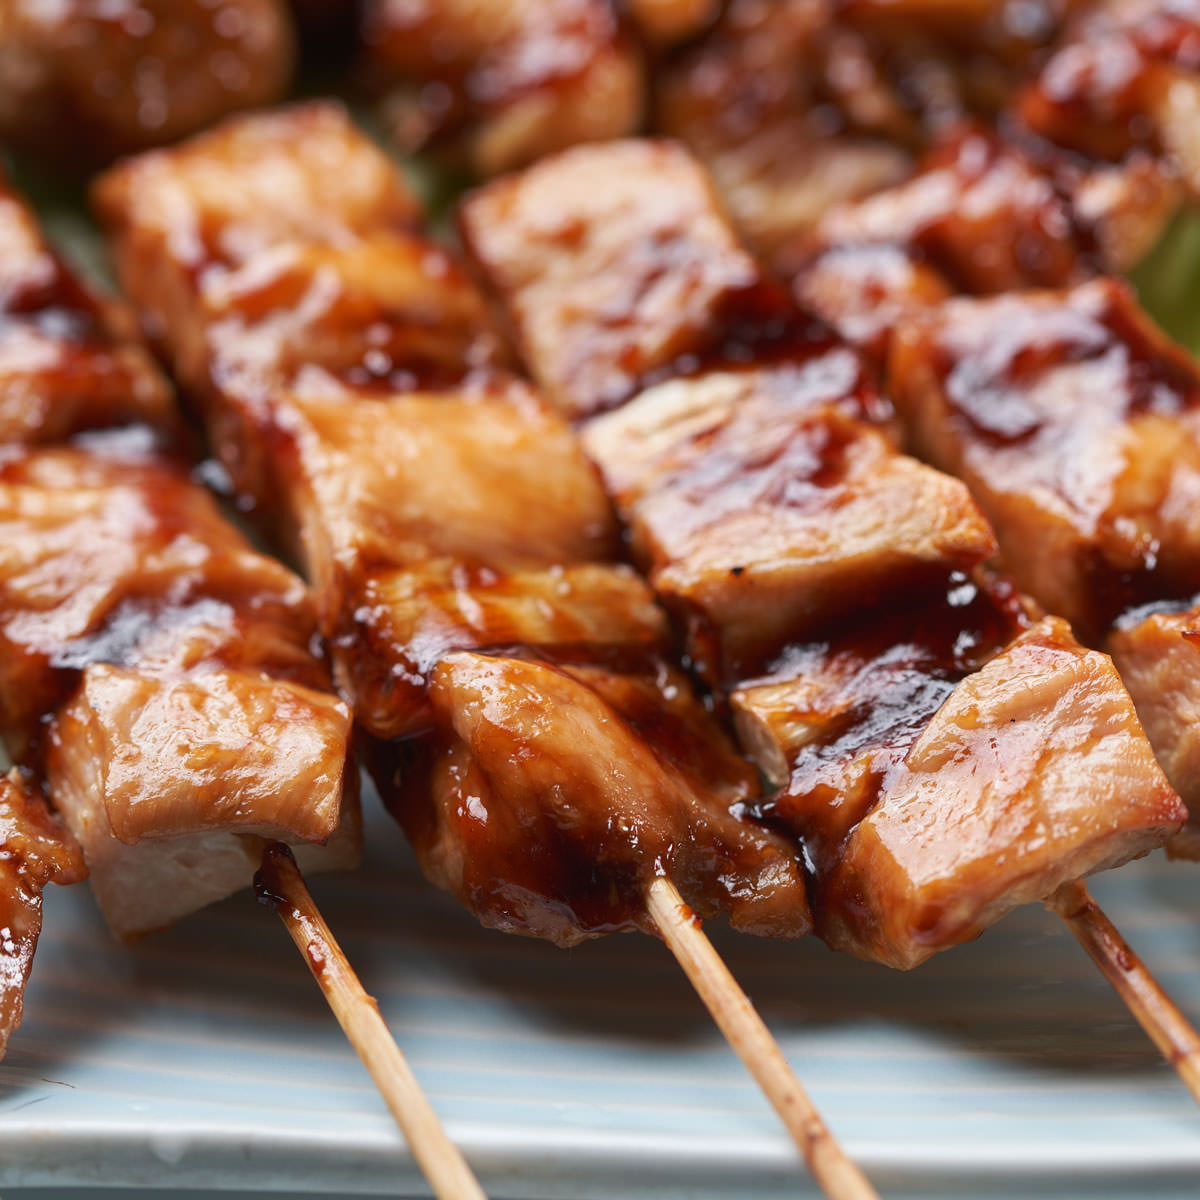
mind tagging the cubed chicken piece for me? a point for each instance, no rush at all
(104, 558)
(254, 759)
(395, 626)
(980, 212)
(502, 82)
(488, 475)
(1126, 77)
(301, 174)
(556, 828)
(34, 851)
(618, 267)
(775, 518)
(1076, 424)
(864, 290)
(68, 361)
(751, 101)
(1158, 656)
(81, 83)
(931, 806)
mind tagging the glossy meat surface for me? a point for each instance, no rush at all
(937, 790)
(81, 82)
(618, 268)
(506, 80)
(770, 516)
(553, 812)
(34, 851)
(67, 360)
(1074, 422)
(1126, 77)
(1158, 656)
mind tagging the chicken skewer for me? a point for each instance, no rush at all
(155, 671)
(550, 765)
(721, 380)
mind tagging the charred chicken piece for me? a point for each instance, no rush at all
(81, 83)
(1075, 423)
(449, 519)
(504, 81)
(34, 850)
(926, 740)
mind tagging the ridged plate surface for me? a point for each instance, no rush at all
(205, 1058)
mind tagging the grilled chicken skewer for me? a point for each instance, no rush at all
(551, 766)
(155, 671)
(927, 733)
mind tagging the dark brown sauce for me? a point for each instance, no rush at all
(884, 680)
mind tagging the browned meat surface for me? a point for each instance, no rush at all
(66, 359)
(503, 81)
(618, 268)
(554, 811)
(1126, 78)
(932, 806)
(1075, 423)
(940, 759)
(178, 668)
(762, 517)
(442, 506)
(81, 83)
(34, 851)
(796, 105)
(1158, 655)
(663, 22)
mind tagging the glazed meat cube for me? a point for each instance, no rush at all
(508, 80)
(556, 828)
(771, 520)
(1075, 424)
(940, 776)
(67, 362)
(168, 780)
(396, 626)
(1158, 655)
(1127, 76)
(34, 851)
(619, 268)
(81, 83)
(749, 102)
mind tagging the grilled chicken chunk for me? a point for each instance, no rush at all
(178, 663)
(554, 810)
(664, 22)
(66, 359)
(81, 83)
(1075, 423)
(1027, 773)
(1158, 655)
(442, 506)
(1126, 77)
(940, 760)
(34, 851)
(507, 80)
(611, 288)
(764, 519)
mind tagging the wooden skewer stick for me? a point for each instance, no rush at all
(280, 884)
(730, 1007)
(1155, 1011)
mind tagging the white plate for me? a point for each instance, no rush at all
(205, 1058)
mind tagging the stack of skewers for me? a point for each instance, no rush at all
(924, 747)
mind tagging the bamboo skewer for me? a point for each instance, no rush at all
(1142, 994)
(838, 1177)
(280, 884)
